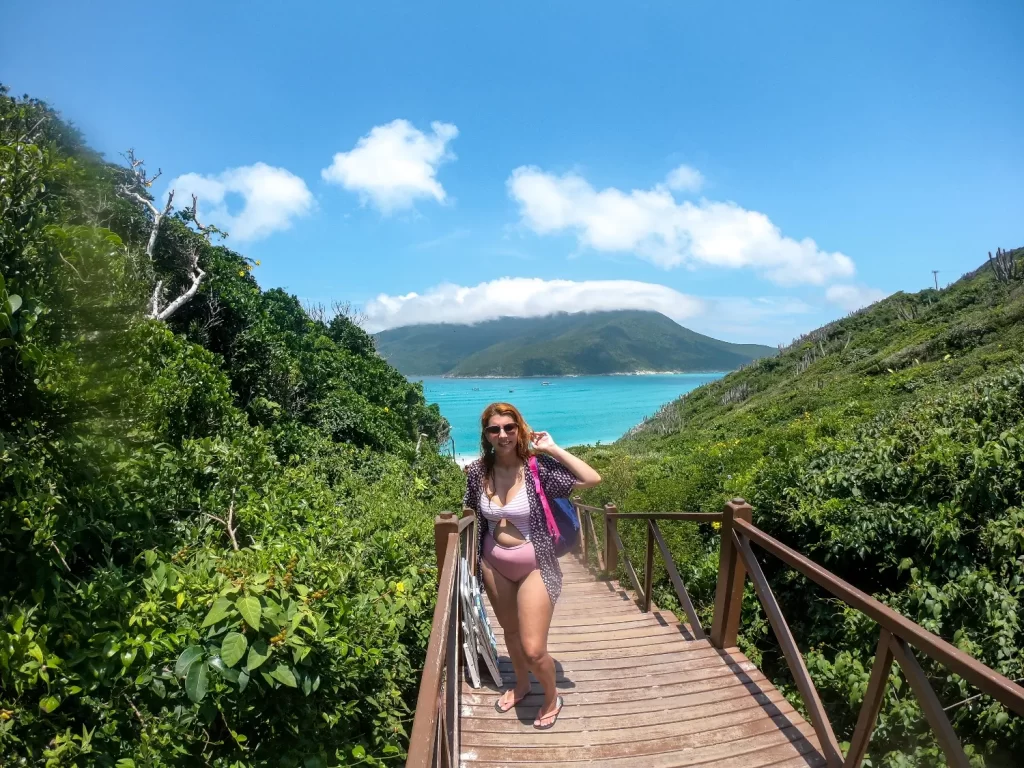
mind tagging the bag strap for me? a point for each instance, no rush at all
(552, 527)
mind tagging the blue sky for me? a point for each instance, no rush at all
(752, 169)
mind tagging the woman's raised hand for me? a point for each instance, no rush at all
(543, 442)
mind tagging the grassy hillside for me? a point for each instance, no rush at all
(215, 530)
(888, 446)
(583, 343)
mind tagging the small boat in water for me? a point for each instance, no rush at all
(476, 389)
(545, 383)
(511, 390)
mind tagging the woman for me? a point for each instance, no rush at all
(515, 553)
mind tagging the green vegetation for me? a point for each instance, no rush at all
(889, 447)
(215, 531)
(583, 343)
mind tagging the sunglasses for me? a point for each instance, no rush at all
(510, 429)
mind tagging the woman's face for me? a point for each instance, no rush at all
(502, 433)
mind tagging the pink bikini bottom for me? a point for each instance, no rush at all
(514, 563)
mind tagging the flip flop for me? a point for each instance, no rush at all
(515, 702)
(555, 714)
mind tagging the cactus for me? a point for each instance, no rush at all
(1005, 266)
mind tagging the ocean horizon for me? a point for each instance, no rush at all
(576, 410)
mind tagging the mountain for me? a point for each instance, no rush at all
(583, 343)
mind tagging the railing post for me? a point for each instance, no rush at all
(581, 545)
(649, 567)
(611, 554)
(731, 574)
(444, 524)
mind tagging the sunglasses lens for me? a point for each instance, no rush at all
(510, 429)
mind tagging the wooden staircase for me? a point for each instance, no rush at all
(635, 685)
(644, 690)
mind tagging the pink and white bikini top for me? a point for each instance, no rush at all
(516, 511)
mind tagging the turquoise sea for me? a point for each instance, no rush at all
(574, 409)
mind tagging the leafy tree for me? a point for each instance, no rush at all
(215, 545)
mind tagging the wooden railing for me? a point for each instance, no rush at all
(434, 740)
(898, 634)
(608, 558)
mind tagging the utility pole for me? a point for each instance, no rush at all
(935, 274)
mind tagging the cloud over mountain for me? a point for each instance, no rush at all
(525, 297)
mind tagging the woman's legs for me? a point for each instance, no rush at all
(535, 611)
(503, 594)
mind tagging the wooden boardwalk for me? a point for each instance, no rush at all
(643, 690)
(639, 691)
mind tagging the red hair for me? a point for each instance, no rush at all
(523, 434)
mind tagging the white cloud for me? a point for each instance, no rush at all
(851, 297)
(652, 225)
(685, 179)
(526, 297)
(272, 199)
(394, 164)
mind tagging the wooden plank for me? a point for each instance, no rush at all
(794, 659)
(930, 703)
(611, 711)
(573, 634)
(872, 705)
(741, 713)
(564, 621)
(712, 742)
(593, 685)
(607, 653)
(631, 671)
(677, 583)
(711, 680)
(757, 752)
(626, 715)
(618, 661)
(635, 676)
(659, 637)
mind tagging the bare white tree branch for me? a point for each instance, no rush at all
(178, 303)
(229, 525)
(154, 301)
(139, 180)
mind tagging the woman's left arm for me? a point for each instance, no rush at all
(586, 475)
